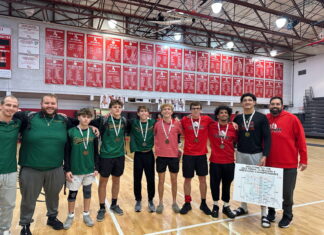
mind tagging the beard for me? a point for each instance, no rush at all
(46, 112)
(275, 111)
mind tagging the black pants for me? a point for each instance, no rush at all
(144, 161)
(221, 173)
(289, 183)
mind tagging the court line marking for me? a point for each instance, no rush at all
(224, 220)
(112, 215)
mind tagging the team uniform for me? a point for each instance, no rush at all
(8, 171)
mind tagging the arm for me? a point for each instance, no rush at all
(266, 140)
(301, 144)
(96, 156)
(67, 160)
(22, 116)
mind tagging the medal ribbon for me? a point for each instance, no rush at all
(196, 132)
(170, 127)
(85, 143)
(219, 130)
(142, 132)
(117, 132)
(249, 121)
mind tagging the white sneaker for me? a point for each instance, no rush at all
(87, 220)
(68, 222)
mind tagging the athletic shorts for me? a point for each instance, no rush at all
(79, 180)
(111, 166)
(190, 164)
(171, 162)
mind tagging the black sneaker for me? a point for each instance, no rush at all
(205, 209)
(54, 223)
(285, 222)
(25, 230)
(215, 211)
(185, 208)
(228, 212)
(271, 215)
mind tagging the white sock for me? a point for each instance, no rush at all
(244, 206)
(226, 204)
(263, 211)
(71, 215)
(216, 203)
(85, 212)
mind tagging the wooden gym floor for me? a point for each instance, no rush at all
(308, 209)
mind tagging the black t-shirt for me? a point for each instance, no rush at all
(260, 136)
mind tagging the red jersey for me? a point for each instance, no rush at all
(287, 141)
(222, 155)
(191, 147)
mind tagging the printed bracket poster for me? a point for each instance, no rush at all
(5, 52)
(175, 82)
(161, 80)
(28, 31)
(113, 49)
(113, 76)
(75, 72)
(202, 61)
(161, 56)
(146, 79)
(258, 185)
(214, 84)
(94, 47)
(75, 44)
(54, 41)
(130, 52)
(202, 84)
(189, 60)
(146, 54)
(28, 46)
(28, 61)
(226, 86)
(130, 77)
(54, 71)
(189, 83)
(215, 63)
(94, 74)
(176, 58)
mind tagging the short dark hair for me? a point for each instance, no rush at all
(195, 103)
(84, 111)
(142, 107)
(223, 107)
(114, 102)
(276, 97)
(248, 95)
(8, 96)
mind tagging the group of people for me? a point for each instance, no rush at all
(55, 148)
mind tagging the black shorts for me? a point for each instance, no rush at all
(171, 162)
(111, 166)
(190, 164)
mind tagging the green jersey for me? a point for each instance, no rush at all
(140, 131)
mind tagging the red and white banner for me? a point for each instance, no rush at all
(130, 52)
(269, 88)
(214, 85)
(226, 86)
(146, 79)
(146, 54)
(189, 60)
(249, 85)
(130, 77)
(269, 69)
(54, 42)
(202, 61)
(278, 89)
(75, 44)
(249, 67)
(215, 63)
(237, 86)
(278, 71)
(175, 84)
(113, 50)
(94, 74)
(161, 80)
(113, 76)
(259, 69)
(227, 64)
(94, 47)
(259, 88)
(54, 71)
(189, 83)
(238, 67)
(202, 84)
(5, 53)
(161, 56)
(75, 73)
(175, 58)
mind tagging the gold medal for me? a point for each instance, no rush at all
(85, 152)
(222, 146)
(167, 141)
(196, 140)
(144, 144)
(247, 134)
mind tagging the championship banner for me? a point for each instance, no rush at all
(175, 58)
(75, 44)
(278, 89)
(249, 85)
(113, 50)
(75, 73)
(189, 60)
(146, 54)
(258, 185)
(130, 52)
(269, 88)
(54, 42)
(94, 47)
(130, 77)
(249, 67)
(5, 52)
(94, 74)
(238, 67)
(237, 86)
(189, 83)
(161, 56)
(226, 87)
(202, 84)
(214, 85)
(113, 76)
(269, 69)
(278, 71)
(175, 82)
(259, 69)
(161, 80)
(259, 88)
(215, 63)
(54, 71)
(227, 64)
(146, 79)
(202, 61)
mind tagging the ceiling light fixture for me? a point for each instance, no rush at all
(230, 45)
(280, 22)
(177, 36)
(112, 24)
(273, 53)
(217, 7)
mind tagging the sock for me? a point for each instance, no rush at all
(216, 203)
(187, 198)
(244, 206)
(263, 211)
(71, 215)
(102, 205)
(226, 204)
(203, 201)
(85, 212)
(114, 202)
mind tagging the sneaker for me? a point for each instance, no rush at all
(265, 223)
(138, 206)
(175, 208)
(159, 209)
(205, 209)
(185, 208)
(68, 222)
(101, 215)
(240, 211)
(285, 222)
(116, 209)
(54, 223)
(271, 215)
(87, 220)
(25, 230)
(228, 212)
(215, 211)
(151, 206)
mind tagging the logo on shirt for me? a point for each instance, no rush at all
(274, 128)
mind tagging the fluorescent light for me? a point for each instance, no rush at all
(177, 36)
(230, 45)
(217, 7)
(112, 24)
(280, 22)
(273, 53)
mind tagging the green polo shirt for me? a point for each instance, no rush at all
(137, 143)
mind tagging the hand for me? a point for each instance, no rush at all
(263, 161)
(95, 130)
(63, 114)
(302, 167)
(69, 176)
(95, 173)
(107, 115)
(235, 126)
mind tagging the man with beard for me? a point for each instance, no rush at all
(9, 129)
(288, 140)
